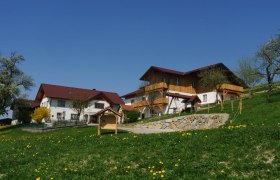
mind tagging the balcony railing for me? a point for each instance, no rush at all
(140, 104)
(156, 86)
(146, 103)
(161, 101)
(232, 87)
(185, 89)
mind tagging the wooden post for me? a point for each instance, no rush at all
(231, 101)
(99, 125)
(208, 108)
(240, 104)
(116, 130)
(222, 101)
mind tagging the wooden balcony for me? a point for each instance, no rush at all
(161, 101)
(156, 86)
(231, 87)
(140, 104)
(158, 101)
(185, 89)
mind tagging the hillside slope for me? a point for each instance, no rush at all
(247, 148)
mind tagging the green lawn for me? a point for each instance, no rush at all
(247, 148)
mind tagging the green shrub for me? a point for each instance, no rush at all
(131, 116)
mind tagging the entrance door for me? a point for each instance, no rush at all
(93, 119)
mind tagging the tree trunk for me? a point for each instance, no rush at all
(78, 117)
(269, 92)
(269, 81)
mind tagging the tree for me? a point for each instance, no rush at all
(268, 63)
(22, 110)
(12, 81)
(212, 79)
(152, 96)
(78, 104)
(41, 113)
(247, 72)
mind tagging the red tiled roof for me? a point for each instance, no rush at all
(127, 107)
(63, 92)
(169, 71)
(133, 94)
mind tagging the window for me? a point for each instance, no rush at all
(74, 116)
(60, 103)
(59, 116)
(132, 101)
(99, 105)
(193, 84)
(205, 98)
(177, 82)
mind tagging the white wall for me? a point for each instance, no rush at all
(177, 102)
(211, 97)
(53, 105)
(136, 99)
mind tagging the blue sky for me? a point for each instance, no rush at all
(108, 45)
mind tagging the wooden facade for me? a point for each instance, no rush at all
(231, 87)
(162, 80)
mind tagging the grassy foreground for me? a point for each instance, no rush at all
(247, 148)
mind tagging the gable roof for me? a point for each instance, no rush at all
(133, 94)
(234, 78)
(68, 93)
(127, 107)
(108, 109)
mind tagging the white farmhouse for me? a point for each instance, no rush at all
(58, 99)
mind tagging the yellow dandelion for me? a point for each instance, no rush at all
(222, 171)
(65, 169)
(176, 165)
(38, 178)
(162, 176)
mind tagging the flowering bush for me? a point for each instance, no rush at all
(41, 113)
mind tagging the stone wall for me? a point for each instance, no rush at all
(190, 122)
